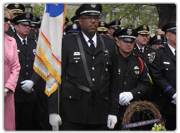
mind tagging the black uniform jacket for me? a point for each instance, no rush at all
(130, 78)
(26, 73)
(163, 72)
(74, 103)
(146, 55)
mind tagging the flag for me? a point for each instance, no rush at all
(48, 52)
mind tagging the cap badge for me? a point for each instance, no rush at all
(16, 5)
(158, 37)
(129, 31)
(144, 27)
(102, 24)
(74, 26)
(93, 5)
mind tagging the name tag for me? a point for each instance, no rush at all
(166, 63)
(76, 53)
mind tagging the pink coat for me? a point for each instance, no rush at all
(11, 74)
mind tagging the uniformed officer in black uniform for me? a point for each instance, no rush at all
(34, 28)
(25, 94)
(112, 27)
(88, 97)
(133, 75)
(163, 71)
(141, 47)
(16, 9)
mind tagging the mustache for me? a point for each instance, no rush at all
(92, 25)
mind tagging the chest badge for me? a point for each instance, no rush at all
(119, 71)
(152, 57)
(136, 70)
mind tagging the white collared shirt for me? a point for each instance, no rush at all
(22, 39)
(94, 39)
(172, 49)
(140, 48)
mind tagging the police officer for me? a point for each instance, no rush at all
(157, 41)
(141, 47)
(88, 97)
(102, 28)
(16, 9)
(163, 71)
(112, 27)
(25, 95)
(34, 28)
(133, 79)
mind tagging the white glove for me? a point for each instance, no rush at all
(111, 122)
(125, 98)
(55, 121)
(174, 97)
(27, 86)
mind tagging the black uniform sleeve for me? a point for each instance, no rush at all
(157, 76)
(114, 96)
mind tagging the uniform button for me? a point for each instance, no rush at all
(125, 83)
(93, 57)
(26, 65)
(26, 73)
(126, 74)
(139, 92)
(93, 68)
(166, 68)
(107, 63)
(106, 69)
(70, 97)
(27, 58)
(76, 61)
(93, 79)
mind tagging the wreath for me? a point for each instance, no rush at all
(146, 107)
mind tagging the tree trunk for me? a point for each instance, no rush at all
(167, 13)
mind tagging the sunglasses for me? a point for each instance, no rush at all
(7, 19)
(100, 32)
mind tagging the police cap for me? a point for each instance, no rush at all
(89, 9)
(157, 39)
(114, 24)
(74, 19)
(16, 8)
(127, 34)
(102, 26)
(35, 22)
(143, 30)
(169, 27)
(24, 19)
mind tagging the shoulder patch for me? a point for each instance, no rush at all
(152, 57)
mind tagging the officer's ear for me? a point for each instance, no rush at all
(16, 27)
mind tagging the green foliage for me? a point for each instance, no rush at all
(135, 14)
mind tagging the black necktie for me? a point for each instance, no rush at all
(92, 46)
(25, 46)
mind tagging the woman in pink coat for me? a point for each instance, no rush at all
(11, 74)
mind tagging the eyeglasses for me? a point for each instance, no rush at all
(7, 19)
(90, 17)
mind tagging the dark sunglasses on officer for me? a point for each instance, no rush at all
(102, 32)
(7, 19)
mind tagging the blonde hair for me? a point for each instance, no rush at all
(7, 11)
